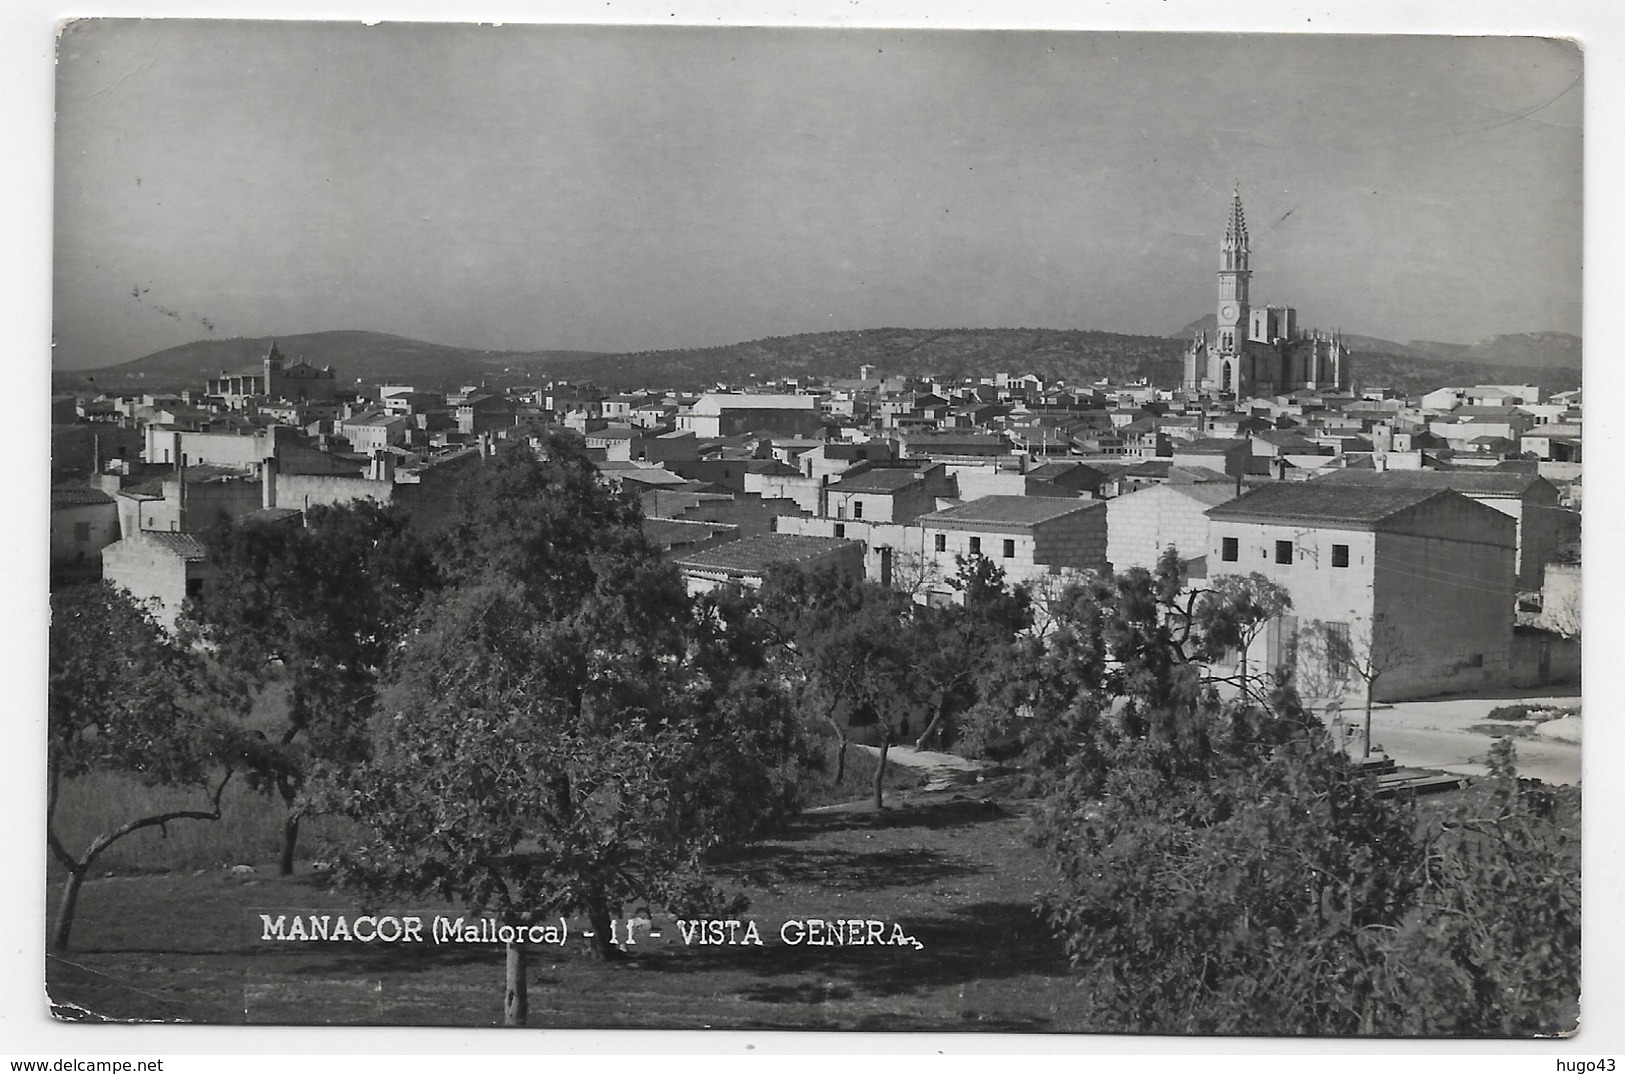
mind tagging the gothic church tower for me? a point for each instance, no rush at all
(1233, 280)
(1258, 350)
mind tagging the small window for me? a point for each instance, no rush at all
(81, 532)
(1340, 555)
(840, 529)
(975, 546)
(1009, 549)
(857, 508)
(1283, 551)
(194, 587)
(1230, 550)
(942, 542)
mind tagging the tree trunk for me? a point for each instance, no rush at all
(880, 772)
(515, 994)
(601, 944)
(936, 722)
(840, 736)
(65, 909)
(290, 839)
(290, 825)
(1370, 688)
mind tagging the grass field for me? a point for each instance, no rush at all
(951, 868)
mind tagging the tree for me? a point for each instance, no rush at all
(1220, 868)
(317, 609)
(839, 640)
(564, 731)
(1343, 653)
(1494, 949)
(1233, 609)
(122, 699)
(957, 646)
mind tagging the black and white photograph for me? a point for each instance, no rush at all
(1037, 531)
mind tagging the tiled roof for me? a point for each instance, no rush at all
(885, 480)
(664, 532)
(1210, 445)
(1007, 511)
(752, 555)
(1471, 482)
(1187, 475)
(79, 496)
(1210, 493)
(271, 515)
(1052, 470)
(1323, 501)
(184, 545)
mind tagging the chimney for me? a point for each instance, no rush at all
(268, 470)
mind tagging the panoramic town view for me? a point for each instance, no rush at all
(1146, 642)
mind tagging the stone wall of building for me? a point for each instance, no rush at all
(1140, 525)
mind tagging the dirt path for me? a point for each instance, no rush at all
(943, 770)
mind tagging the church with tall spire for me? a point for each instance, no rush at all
(1258, 351)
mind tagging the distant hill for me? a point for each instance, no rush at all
(374, 357)
(1073, 355)
(1076, 356)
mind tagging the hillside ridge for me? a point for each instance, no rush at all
(1077, 356)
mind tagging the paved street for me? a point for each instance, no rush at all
(1440, 735)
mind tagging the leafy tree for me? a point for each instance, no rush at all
(317, 609)
(564, 731)
(1338, 655)
(841, 643)
(1494, 948)
(957, 647)
(1231, 611)
(1220, 868)
(122, 699)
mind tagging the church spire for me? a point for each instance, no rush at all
(1235, 230)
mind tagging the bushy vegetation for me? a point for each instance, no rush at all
(1222, 868)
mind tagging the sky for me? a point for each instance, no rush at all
(620, 188)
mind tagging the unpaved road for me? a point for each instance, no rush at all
(1443, 735)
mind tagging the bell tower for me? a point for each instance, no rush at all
(1233, 277)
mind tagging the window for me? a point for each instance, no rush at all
(1339, 651)
(1340, 555)
(81, 532)
(857, 508)
(840, 529)
(975, 546)
(1230, 550)
(1009, 549)
(1283, 551)
(194, 587)
(942, 542)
